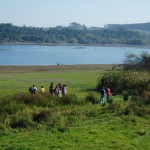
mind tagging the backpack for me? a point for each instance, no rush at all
(30, 89)
(102, 91)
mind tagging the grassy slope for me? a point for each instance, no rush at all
(102, 131)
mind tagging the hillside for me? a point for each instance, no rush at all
(135, 27)
(73, 34)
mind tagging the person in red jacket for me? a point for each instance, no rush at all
(108, 95)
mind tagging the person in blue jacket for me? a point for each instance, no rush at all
(102, 91)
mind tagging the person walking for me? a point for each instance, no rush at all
(42, 90)
(64, 90)
(102, 91)
(56, 91)
(34, 89)
(108, 95)
(51, 88)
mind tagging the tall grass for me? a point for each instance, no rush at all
(34, 111)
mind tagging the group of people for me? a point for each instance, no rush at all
(104, 92)
(59, 89)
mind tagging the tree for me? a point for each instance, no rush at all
(137, 62)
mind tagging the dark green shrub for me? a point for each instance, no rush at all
(111, 100)
(127, 111)
(11, 108)
(143, 99)
(134, 92)
(134, 98)
(68, 99)
(137, 107)
(146, 97)
(132, 81)
(91, 113)
(41, 116)
(37, 99)
(116, 107)
(21, 122)
(137, 62)
(125, 96)
(62, 129)
(91, 97)
(141, 132)
(58, 121)
(6, 100)
(71, 120)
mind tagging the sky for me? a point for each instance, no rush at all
(52, 13)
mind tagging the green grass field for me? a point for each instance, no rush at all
(78, 78)
(78, 127)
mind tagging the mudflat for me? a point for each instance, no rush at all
(55, 68)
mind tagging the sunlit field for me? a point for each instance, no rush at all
(77, 121)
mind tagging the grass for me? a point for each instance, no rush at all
(103, 132)
(77, 78)
(79, 126)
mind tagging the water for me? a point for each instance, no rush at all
(65, 55)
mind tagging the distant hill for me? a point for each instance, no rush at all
(136, 26)
(74, 34)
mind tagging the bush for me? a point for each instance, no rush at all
(41, 116)
(146, 97)
(91, 97)
(11, 108)
(21, 121)
(137, 62)
(38, 99)
(125, 96)
(111, 100)
(137, 107)
(69, 99)
(116, 107)
(58, 121)
(135, 82)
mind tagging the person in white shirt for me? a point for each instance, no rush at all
(42, 90)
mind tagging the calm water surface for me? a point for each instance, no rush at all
(51, 55)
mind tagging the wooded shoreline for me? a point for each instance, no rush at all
(69, 44)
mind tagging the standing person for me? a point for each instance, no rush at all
(102, 91)
(59, 85)
(108, 95)
(56, 91)
(59, 90)
(42, 90)
(64, 89)
(34, 90)
(51, 88)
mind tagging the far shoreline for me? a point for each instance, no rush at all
(70, 44)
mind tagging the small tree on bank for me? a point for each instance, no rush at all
(137, 62)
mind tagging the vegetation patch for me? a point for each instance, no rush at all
(77, 120)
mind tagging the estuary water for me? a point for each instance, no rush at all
(65, 55)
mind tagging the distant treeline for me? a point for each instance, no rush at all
(138, 26)
(73, 34)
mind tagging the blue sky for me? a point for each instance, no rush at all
(51, 13)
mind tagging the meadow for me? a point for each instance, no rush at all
(78, 121)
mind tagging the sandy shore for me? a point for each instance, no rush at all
(53, 68)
